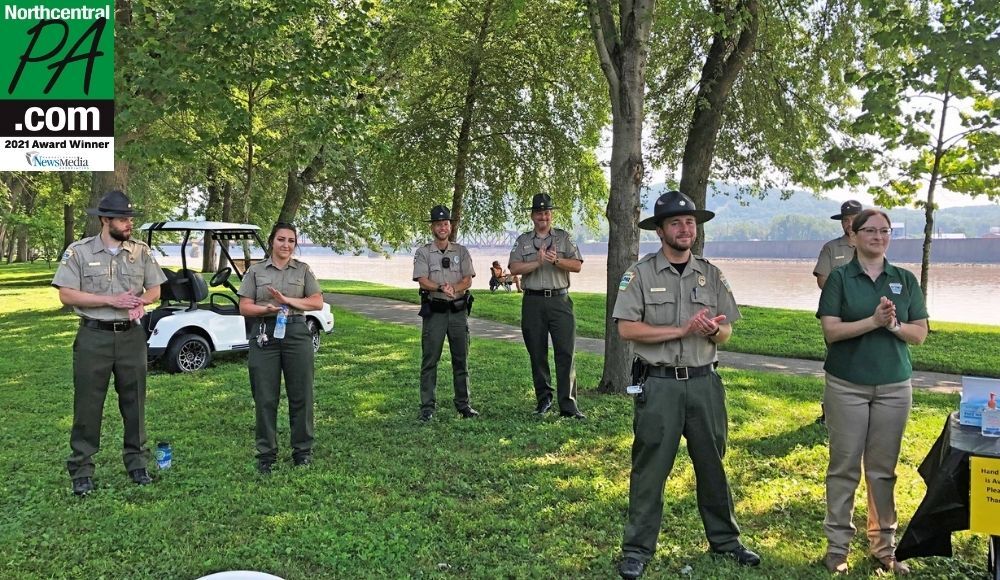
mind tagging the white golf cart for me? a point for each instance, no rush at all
(182, 332)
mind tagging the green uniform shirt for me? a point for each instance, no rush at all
(548, 276)
(878, 357)
(652, 291)
(89, 267)
(427, 263)
(834, 254)
(295, 281)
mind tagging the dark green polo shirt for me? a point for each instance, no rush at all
(878, 357)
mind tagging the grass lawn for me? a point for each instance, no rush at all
(506, 495)
(951, 347)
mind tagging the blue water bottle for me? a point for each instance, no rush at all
(164, 455)
(281, 323)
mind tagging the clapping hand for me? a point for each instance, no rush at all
(885, 313)
(702, 324)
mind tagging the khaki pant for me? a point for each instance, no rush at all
(866, 426)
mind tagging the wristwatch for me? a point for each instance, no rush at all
(556, 262)
(896, 328)
(440, 287)
(717, 329)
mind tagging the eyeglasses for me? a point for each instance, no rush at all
(880, 231)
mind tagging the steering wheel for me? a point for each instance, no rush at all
(221, 276)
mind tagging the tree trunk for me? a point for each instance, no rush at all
(102, 182)
(296, 188)
(726, 59)
(212, 211)
(623, 60)
(464, 143)
(929, 207)
(66, 178)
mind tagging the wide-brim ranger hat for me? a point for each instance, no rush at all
(848, 208)
(440, 213)
(674, 203)
(113, 204)
(541, 202)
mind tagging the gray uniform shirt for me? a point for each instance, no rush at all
(296, 280)
(428, 263)
(652, 291)
(89, 267)
(834, 254)
(548, 276)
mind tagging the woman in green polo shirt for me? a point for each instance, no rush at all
(871, 311)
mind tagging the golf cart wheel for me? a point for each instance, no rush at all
(187, 353)
(313, 327)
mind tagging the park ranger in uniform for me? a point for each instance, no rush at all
(835, 254)
(544, 258)
(676, 308)
(444, 271)
(108, 279)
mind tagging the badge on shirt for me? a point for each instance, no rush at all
(67, 255)
(702, 281)
(626, 279)
(896, 287)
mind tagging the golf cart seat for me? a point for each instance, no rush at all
(183, 286)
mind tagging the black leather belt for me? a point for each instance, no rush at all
(296, 318)
(113, 325)
(548, 293)
(681, 373)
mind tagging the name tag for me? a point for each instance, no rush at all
(657, 289)
(93, 263)
(838, 257)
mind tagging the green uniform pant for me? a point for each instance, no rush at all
(540, 317)
(667, 409)
(454, 325)
(97, 355)
(293, 356)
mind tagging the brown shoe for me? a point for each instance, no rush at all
(836, 564)
(891, 564)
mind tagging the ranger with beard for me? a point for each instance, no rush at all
(108, 279)
(676, 308)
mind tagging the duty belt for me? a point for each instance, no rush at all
(548, 293)
(681, 373)
(113, 325)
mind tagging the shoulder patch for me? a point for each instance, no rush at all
(722, 278)
(67, 255)
(626, 280)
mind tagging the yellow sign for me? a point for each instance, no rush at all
(984, 489)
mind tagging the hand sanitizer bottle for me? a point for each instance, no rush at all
(991, 418)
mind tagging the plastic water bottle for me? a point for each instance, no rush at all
(281, 323)
(164, 455)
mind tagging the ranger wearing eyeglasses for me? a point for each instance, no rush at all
(444, 271)
(544, 258)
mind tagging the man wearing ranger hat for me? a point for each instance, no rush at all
(108, 279)
(839, 251)
(544, 258)
(676, 308)
(444, 271)
(835, 254)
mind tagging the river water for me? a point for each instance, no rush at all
(958, 292)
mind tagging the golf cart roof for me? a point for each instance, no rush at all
(198, 226)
